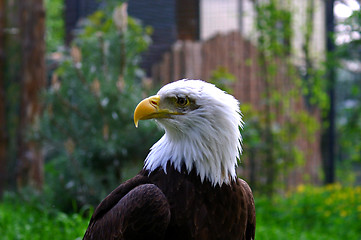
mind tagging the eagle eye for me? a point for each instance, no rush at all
(182, 101)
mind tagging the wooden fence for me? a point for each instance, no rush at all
(198, 60)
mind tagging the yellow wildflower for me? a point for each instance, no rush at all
(333, 187)
(343, 213)
(337, 186)
(301, 188)
(329, 201)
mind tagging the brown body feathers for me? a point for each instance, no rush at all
(174, 205)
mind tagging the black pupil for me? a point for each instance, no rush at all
(181, 101)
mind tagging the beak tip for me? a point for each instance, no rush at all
(145, 109)
(136, 122)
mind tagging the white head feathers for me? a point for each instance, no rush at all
(207, 137)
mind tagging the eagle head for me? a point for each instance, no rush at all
(202, 129)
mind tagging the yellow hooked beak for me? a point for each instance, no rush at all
(149, 108)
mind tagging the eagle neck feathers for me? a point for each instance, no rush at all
(210, 142)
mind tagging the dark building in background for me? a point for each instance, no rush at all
(160, 15)
(76, 10)
(171, 20)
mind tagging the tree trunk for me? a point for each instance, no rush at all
(30, 158)
(3, 129)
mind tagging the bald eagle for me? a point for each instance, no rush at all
(188, 188)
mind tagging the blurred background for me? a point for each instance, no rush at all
(72, 72)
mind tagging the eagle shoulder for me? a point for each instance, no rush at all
(251, 209)
(136, 209)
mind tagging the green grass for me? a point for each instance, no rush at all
(331, 212)
(20, 221)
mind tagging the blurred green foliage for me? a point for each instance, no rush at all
(299, 124)
(55, 30)
(87, 128)
(307, 213)
(275, 128)
(348, 94)
(223, 79)
(275, 32)
(286, 151)
(31, 220)
(274, 27)
(330, 212)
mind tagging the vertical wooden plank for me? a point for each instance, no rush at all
(175, 59)
(213, 54)
(164, 68)
(155, 73)
(188, 60)
(256, 81)
(182, 60)
(238, 65)
(167, 67)
(247, 66)
(197, 60)
(205, 60)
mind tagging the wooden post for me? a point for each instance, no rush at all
(32, 22)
